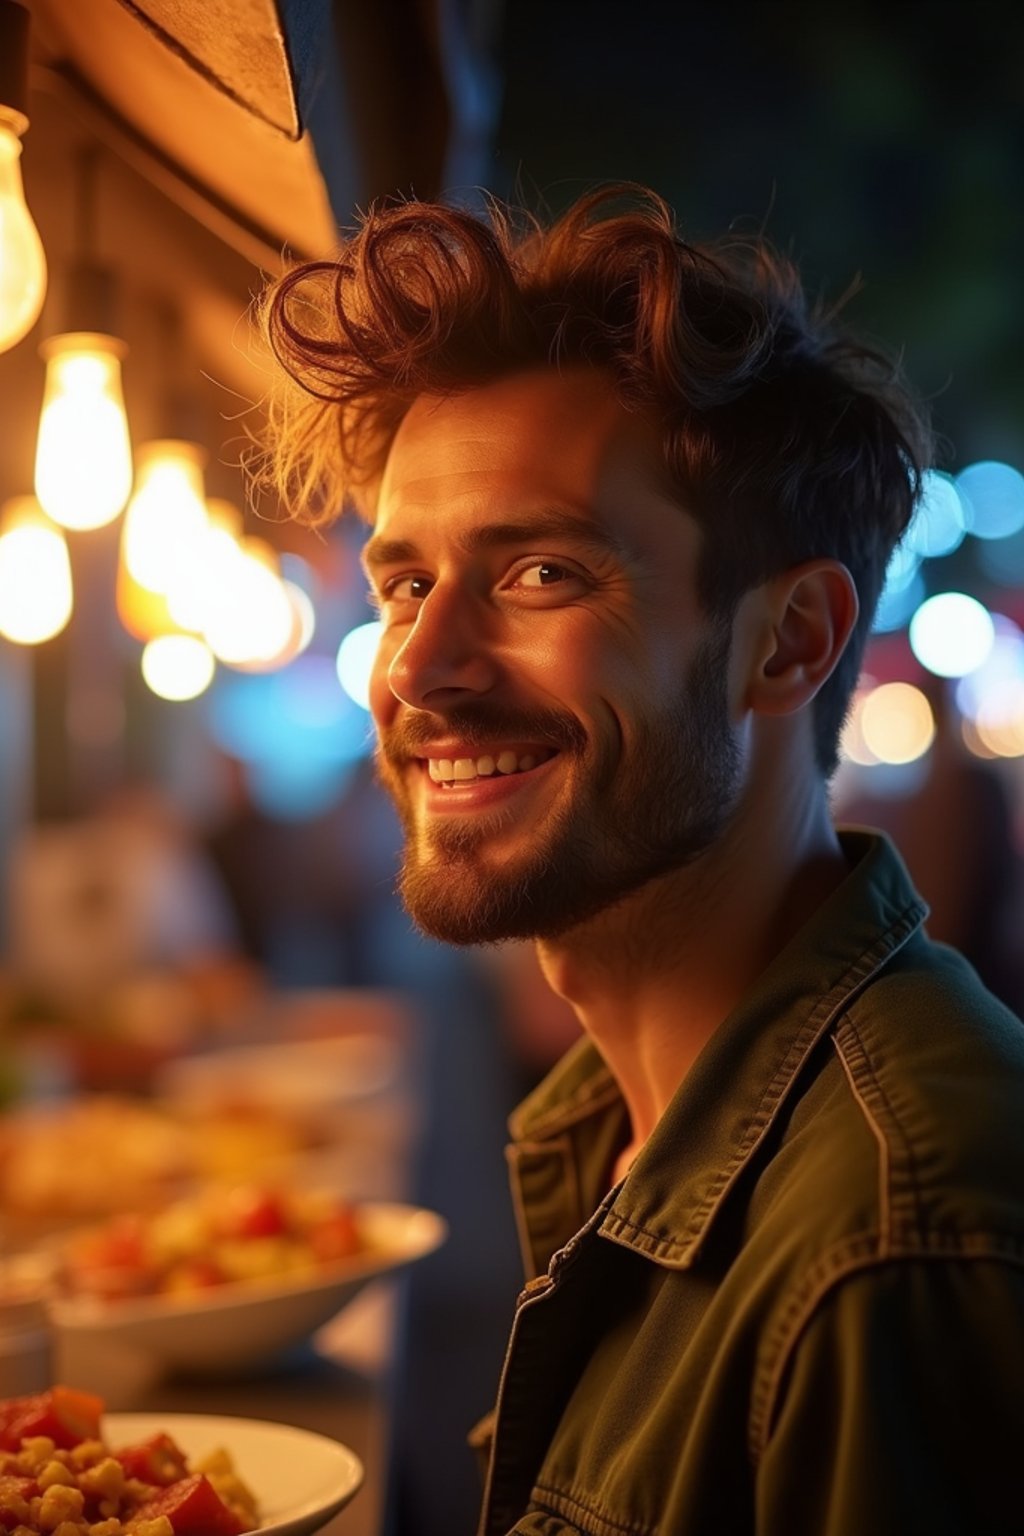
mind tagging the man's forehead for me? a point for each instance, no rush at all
(544, 434)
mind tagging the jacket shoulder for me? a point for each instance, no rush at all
(931, 1065)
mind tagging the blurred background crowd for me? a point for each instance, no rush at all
(188, 818)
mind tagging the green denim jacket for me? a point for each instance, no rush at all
(802, 1312)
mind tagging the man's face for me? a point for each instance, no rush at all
(551, 703)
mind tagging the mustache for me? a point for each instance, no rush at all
(480, 726)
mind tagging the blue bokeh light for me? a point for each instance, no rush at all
(355, 660)
(994, 495)
(939, 524)
(896, 606)
(297, 730)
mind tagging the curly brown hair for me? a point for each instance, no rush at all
(786, 438)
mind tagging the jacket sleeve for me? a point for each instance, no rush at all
(901, 1406)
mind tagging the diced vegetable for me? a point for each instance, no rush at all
(157, 1460)
(254, 1213)
(59, 1478)
(336, 1237)
(247, 1234)
(65, 1414)
(14, 1494)
(193, 1508)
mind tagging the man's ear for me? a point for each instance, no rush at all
(805, 618)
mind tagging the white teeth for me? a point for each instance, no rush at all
(446, 770)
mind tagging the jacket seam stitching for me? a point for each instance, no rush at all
(896, 1126)
(595, 1093)
(560, 1147)
(884, 1202)
(803, 1305)
(575, 1506)
(857, 973)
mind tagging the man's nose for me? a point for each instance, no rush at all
(447, 651)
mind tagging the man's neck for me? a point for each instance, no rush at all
(652, 978)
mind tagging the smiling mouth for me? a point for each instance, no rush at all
(451, 772)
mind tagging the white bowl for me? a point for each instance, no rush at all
(238, 1325)
(300, 1480)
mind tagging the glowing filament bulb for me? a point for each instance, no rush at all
(166, 526)
(22, 261)
(35, 574)
(252, 620)
(84, 453)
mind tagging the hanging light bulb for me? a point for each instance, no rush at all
(84, 451)
(252, 620)
(22, 260)
(166, 526)
(35, 574)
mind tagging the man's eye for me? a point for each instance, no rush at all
(543, 573)
(406, 589)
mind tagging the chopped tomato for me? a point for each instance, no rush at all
(336, 1236)
(14, 1494)
(120, 1243)
(193, 1275)
(157, 1460)
(193, 1508)
(253, 1213)
(65, 1414)
(112, 1261)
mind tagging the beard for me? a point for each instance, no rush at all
(614, 828)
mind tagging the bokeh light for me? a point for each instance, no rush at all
(1000, 725)
(994, 494)
(951, 634)
(897, 605)
(36, 595)
(297, 730)
(852, 745)
(356, 655)
(1003, 664)
(939, 524)
(177, 667)
(897, 723)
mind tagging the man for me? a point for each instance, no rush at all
(631, 510)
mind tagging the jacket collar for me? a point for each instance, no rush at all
(740, 1082)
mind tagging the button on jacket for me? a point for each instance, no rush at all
(802, 1312)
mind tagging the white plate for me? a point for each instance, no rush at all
(300, 1480)
(239, 1325)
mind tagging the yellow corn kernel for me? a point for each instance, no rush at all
(36, 1451)
(87, 1453)
(106, 1479)
(56, 1472)
(161, 1526)
(59, 1504)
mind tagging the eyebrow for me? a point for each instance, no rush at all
(553, 522)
